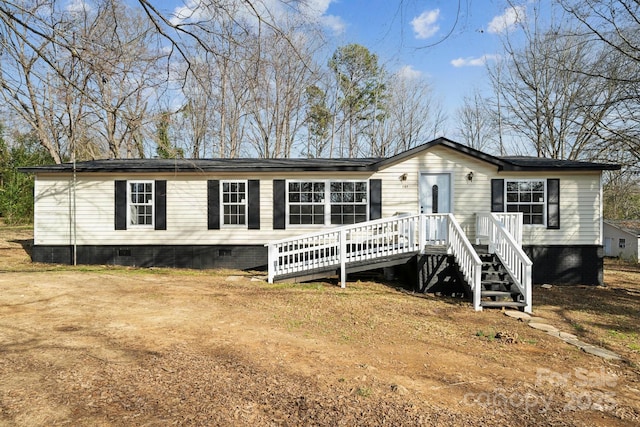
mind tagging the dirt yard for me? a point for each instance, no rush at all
(110, 346)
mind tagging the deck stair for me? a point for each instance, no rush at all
(497, 287)
(502, 278)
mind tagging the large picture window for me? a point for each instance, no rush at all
(528, 197)
(141, 203)
(327, 202)
(234, 202)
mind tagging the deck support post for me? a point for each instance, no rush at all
(270, 262)
(343, 258)
(422, 233)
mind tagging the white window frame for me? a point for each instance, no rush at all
(322, 203)
(243, 203)
(530, 203)
(364, 202)
(622, 243)
(326, 200)
(150, 203)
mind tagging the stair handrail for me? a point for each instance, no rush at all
(511, 220)
(468, 260)
(512, 256)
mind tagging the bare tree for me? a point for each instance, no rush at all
(563, 114)
(615, 25)
(414, 115)
(95, 91)
(276, 82)
(121, 50)
(476, 124)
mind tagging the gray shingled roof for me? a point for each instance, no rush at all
(510, 163)
(209, 165)
(631, 226)
(553, 164)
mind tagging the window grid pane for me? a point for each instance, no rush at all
(141, 203)
(348, 202)
(234, 200)
(527, 197)
(306, 203)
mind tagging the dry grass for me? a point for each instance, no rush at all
(95, 345)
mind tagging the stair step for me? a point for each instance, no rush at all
(499, 304)
(490, 282)
(499, 293)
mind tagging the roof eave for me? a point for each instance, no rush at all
(519, 168)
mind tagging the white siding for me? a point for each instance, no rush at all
(186, 211)
(580, 203)
(580, 196)
(468, 197)
(580, 210)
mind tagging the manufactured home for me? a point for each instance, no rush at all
(622, 239)
(302, 218)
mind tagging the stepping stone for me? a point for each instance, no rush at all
(517, 314)
(567, 336)
(601, 352)
(537, 320)
(543, 327)
(592, 349)
(545, 286)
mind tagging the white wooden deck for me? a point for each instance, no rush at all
(391, 241)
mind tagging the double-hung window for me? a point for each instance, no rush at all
(306, 202)
(327, 202)
(348, 202)
(234, 202)
(528, 197)
(141, 203)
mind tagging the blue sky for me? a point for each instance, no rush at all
(446, 41)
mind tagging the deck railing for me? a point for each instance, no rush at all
(509, 251)
(338, 246)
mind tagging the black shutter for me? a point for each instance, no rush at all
(497, 195)
(213, 204)
(160, 205)
(253, 204)
(121, 205)
(279, 204)
(375, 199)
(553, 204)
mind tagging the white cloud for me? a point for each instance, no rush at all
(334, 23)
(425, 25)
(315, 11)
(508, 20)
(474, 62)
(78, 6)
(275, 10)
(407, 72)
(191, 11)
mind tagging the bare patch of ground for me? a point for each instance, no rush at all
(96, 345)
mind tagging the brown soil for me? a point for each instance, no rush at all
(95, 345)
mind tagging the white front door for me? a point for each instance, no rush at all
(435, 193)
